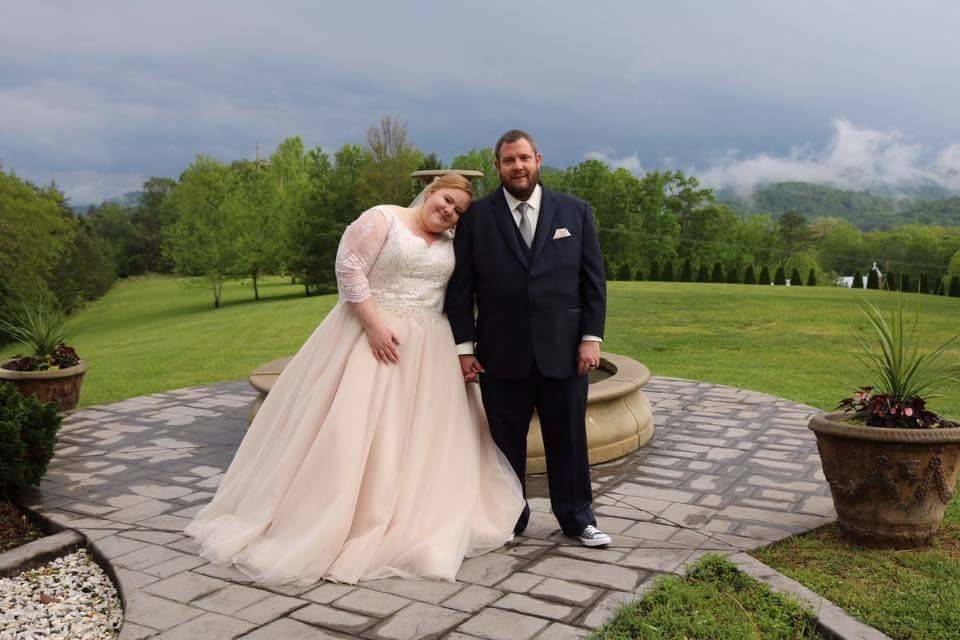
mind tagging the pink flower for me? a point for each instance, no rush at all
(908, 411)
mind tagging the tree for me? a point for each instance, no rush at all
(890, 281)
(954, 287)
(924, 286)
(795, 235)
(812, 279)
(430, 162)
(938, 288)
(638, 276)
(873, 280)
(606, 269)
(624, 272)
(703, 274)
(841, 248)
(151, 218)
(748, 275)
(857, 280)
(667, 274)
(953, 268)
(764, 276)
(687, 274)
(391, 160)
(905, 283)
(205, 240)
(732, 276)
(795, 279)
(717, 273)
(480, 160)
(780, 278)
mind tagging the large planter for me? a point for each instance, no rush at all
(890, 487)
(61, 386)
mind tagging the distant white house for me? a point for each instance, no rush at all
(847, 281)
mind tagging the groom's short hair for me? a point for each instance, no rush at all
(512, 136)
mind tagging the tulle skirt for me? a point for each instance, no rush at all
(355, 470)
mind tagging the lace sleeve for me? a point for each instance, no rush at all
(358, 250)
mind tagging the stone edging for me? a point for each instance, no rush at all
(832, 621)
(36, 553)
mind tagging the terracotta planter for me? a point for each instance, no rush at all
(890, 487)
(61, 386)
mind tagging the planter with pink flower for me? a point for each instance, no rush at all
(890, 461)
(52, 371)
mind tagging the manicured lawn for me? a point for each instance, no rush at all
(909, 595)
(153, 334)
(715, 602)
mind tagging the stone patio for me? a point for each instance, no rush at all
(728, 470)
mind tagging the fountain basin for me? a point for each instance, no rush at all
(619, 418)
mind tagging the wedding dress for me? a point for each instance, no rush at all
(356, 470)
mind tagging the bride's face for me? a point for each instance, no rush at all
(443, 208)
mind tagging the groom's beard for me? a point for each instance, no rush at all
(523, 194)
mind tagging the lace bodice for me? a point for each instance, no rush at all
(380, 257)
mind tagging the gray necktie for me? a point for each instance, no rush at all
(526, 231)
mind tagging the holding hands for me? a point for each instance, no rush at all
(471, 368)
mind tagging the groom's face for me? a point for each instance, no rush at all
(519, 167)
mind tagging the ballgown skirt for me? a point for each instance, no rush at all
(356, 470)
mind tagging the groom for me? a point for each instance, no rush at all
(529, 262)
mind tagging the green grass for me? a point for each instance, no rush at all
(908, 595)
(716, 602)
(152, 334)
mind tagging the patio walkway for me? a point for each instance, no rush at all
(728, 470)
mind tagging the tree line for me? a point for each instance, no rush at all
(285, 214)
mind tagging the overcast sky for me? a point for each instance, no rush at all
(100, 95)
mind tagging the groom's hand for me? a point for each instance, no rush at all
(470, 367)
(588, 356)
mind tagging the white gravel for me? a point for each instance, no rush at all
(70, 597)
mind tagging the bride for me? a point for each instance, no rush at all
(370, 457)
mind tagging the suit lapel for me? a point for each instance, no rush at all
(544, 223)
(504, 218)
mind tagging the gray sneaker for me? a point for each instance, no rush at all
(593, 537)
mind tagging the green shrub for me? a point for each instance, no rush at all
(667, 274)
(905, 284)
(764, 276)
(608, 274)
(687, 273)
(624, 272)
(717, 273)
(654, 270)
(890, 281)
(28, 433)
(638, 276)
(732, 276)
(703, 274)
(938, 288)
(780, 279)
(873, 282)
(748, 276)
(955, 287)
(795, 279)
(857, 280)
(812, 279)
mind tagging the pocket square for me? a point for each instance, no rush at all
(561, 233)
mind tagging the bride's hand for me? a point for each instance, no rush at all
(384, 343)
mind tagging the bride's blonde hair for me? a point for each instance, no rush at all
(450, 181)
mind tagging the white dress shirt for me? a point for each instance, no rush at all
(533, 215)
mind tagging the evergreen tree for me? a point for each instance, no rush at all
(938, 288)
(873, 282)
(638, 276)
(780, 279)
(812, 279)
(732, 276)
(606, 269)
(654, 270)
(717, 273)
(764, 276)
(890, 281)
(703, 274)
(667, 274)
(795, 279)
(905, 284)
(857, 280)
(624, 272)
(955, 287)
(748, 276)
(924, 283)
(687, 274)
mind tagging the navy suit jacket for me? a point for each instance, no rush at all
(524, 307)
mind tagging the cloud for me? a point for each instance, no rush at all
(630, 163)
(854, 158)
